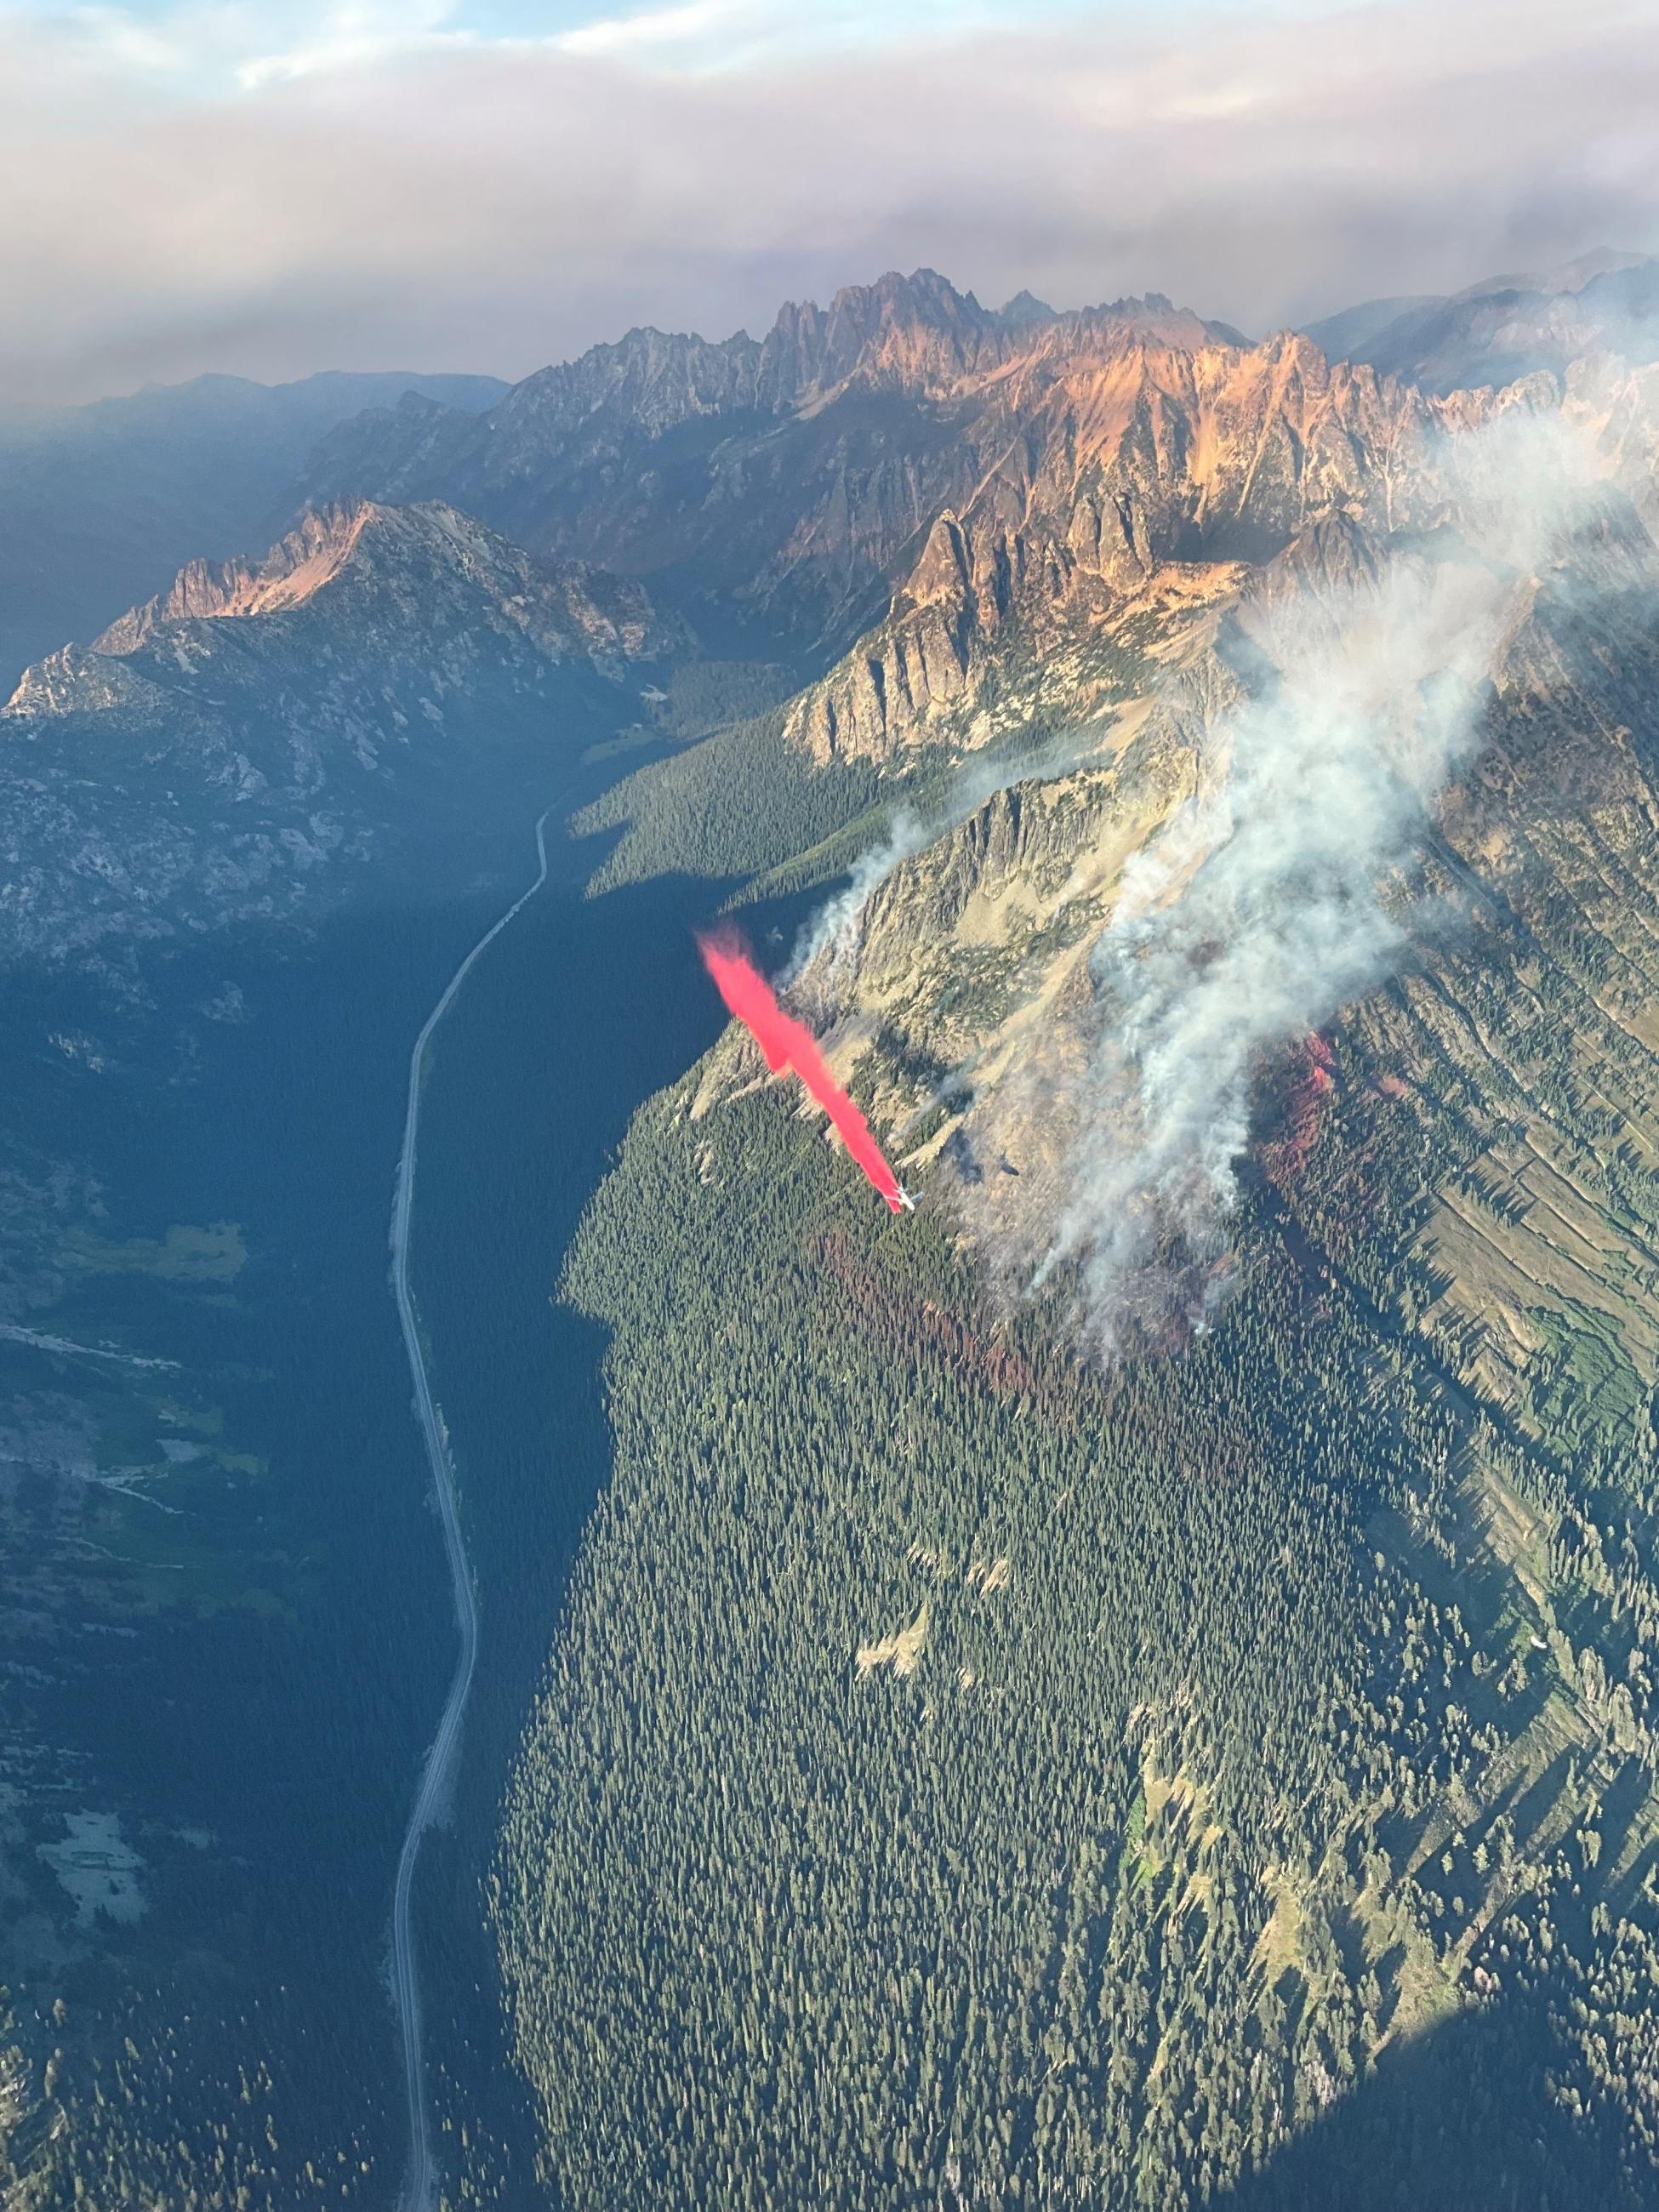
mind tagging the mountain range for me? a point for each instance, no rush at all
(1135, 1683)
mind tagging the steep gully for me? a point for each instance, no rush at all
(421, 2180)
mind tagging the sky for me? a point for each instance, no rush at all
(269, 189)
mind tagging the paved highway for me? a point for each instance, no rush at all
(420, 2189)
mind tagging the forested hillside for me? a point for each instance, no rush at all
(965, 1772)
(248, 835)
(984, 1762)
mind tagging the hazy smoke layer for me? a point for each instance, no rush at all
(1277, 896)
(392, 185)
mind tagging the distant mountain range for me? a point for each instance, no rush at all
(770, 483)
(945, 521)
(1506, 327)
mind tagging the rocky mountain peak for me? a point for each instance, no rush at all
(1137, 464)
(1508, 327)
(1566, 276)
(917, 329)
(422, 407)
(248, 738)
(385, 586)
(648, 381)
(796, 477)
(1024, 310)
(309, 557)
(1146, 319)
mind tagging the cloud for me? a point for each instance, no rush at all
(656, 27)
(200, 46)
(389, 188)
(352, 40)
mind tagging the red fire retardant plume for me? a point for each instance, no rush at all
(788, 1042)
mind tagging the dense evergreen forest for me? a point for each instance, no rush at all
(263, 1625)
(229, 2043)
(965, 1772)
(971, 1772)
(969, 1776)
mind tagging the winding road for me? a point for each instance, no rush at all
(420, 2183)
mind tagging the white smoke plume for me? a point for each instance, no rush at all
(833, 929)
(831, 936)
(1278, 895)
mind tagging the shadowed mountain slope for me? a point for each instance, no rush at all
(247, 736)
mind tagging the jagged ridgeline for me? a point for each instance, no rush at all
(1002, 1741)
(971, 1772)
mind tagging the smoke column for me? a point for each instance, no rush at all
(834, 928)
(788, 1043)
(1282, 891)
